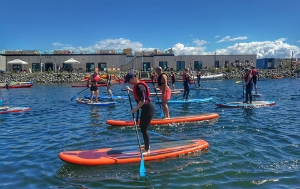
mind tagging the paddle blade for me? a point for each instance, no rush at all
(142, 167)
(162, 113)
(238, 82)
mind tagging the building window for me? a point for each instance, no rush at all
(197, 65)
(217, 64)
(163, 65)
(90, 67)
(36, 67)
(102, 66)
(180, 65)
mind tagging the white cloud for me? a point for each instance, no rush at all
(263, 49)
(217, 36)
(227, 38)
(269, 49)
(56, 44)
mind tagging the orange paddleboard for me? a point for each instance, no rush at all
(181, 119)
(131, 154)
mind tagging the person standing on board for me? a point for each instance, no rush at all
(255, 78)
(92, 84)
(162, 82)
(186, 83)
(199, 74)
(248, 85)
(108, 83)
(141, 95)
(173, 78)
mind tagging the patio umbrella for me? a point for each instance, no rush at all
(17, 61)
(71, 61)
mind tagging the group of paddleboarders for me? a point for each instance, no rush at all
(92, 84)
(250, 78)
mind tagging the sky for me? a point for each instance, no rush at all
(267, 28)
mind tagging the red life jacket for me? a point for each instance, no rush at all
(184, 76)
(254, 72)
(134, 91)
(246, 77)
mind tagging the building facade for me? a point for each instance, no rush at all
(118, 60)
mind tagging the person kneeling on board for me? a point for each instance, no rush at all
(162, 82)
(141, 95)
(92, 84)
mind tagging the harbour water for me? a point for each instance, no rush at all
(249, 148)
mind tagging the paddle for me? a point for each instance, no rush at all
(142, 165)
(237, 82)
(161, 110)
(78, 94)
(243, 87)
(197, 92)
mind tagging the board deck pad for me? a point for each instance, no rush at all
(186, 101)
(254, 104)
(87, 101)
(180, 119)
(131, 154)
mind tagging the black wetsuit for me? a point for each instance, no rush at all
(186, 86)
(146, 114)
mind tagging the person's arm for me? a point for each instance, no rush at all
(164, 86)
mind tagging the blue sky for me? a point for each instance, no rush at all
(268, 28)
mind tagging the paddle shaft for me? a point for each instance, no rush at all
(134, 122)
(78, 93)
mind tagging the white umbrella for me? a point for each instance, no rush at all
(17, 61)
(71, 61)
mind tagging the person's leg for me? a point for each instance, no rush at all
(146, 117)
(91, 96)
(97, 95)
(165, 108)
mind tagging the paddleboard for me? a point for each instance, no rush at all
(172, 92)
(107, 97)
(87, 101)
(181, 119)
(6, 109)
(131, 154)
(203, 88)
(255, 104)
(186, 101)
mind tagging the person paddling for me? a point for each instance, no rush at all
(255, 78)
(248, 85)
(108, 83)
(162, 82)
(141, 95)
(186, 83)
(173, 78)
(199, 74)
(92, 84)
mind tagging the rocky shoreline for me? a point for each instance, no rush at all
(65, 77)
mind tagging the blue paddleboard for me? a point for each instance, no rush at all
(254, 104)
(107, 97)
(87, 101)
(186, 101)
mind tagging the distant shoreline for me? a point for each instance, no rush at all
(65, 77)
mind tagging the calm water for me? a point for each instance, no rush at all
(249, 148)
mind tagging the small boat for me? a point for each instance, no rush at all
(6, 109)
(212, 77)
(276, 77)
(3, 86)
